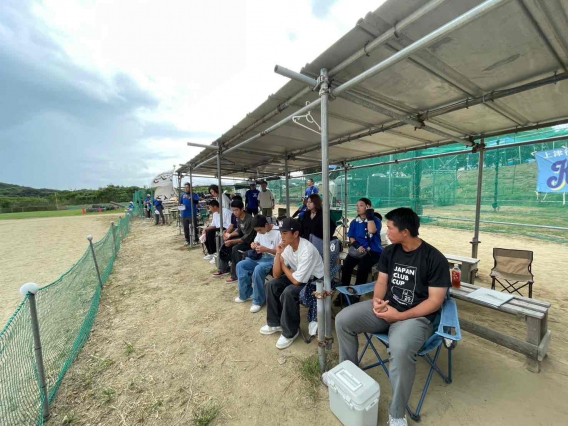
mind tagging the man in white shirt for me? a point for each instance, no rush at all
(255, 268)
(265, 199)
(297, 263)
(215, 226)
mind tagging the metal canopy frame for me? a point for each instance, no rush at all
(477, 69)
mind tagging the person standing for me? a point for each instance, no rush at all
(189, 215)
(311, 189)
(296, 264)
(266, 199)
(214, 191)
(148, 206)
(159, 212)
(238, 240)
(258, 264)
(251, 198)
(414, 279)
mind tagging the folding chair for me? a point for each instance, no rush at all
(513, 267)
(306, 295)
(446, 332)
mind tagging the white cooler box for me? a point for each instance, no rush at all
(353, 395)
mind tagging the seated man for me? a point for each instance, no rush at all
(215, 226)
(235, 241)
(265, 243)
(296, 264)
(413, 280)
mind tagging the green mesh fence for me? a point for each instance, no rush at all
(443, 190)
(138, 201)
(66, 312)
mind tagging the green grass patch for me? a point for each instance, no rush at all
(311, 373)
(52, 213)
(205, 414)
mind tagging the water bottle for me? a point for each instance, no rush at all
(456, 276)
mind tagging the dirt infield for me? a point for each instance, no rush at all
(170, 347)
(40, 251)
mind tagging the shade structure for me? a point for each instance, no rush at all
(503, 70)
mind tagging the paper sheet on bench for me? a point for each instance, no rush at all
(490, 297)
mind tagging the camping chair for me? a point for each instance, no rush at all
(446, 332)
(306, 295)
(514, 267)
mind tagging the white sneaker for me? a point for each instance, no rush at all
(284, 342)
(186, 243)
(324, 378)
(313, 328)
(255, 308)
(397, 422)
(209, 257)
(239, 300)
(213, 259)
(266, 329)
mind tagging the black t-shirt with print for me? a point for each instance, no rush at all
(411, 273)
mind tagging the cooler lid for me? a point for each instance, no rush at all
(353, 382)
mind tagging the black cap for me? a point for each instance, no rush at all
(259, 221)
(290, 224)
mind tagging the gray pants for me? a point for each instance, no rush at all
(405, 339)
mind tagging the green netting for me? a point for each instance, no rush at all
(66, 312)
(138, 201)
(443, 190)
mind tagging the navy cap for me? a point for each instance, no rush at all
(290, 224)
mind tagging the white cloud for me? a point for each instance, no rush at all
(208, 63)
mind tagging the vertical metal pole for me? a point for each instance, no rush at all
(324, 95)
(220, 240)
(114, 238)
(390, 181)
(179, 221)
(31, 289)
(475, 242)
(90, 238)
(192, 236)
(287, 185)
(345, 204)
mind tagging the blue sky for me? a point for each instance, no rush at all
(101, 92)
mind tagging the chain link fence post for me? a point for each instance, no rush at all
(90, 238)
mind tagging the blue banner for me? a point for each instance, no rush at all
(552, 170)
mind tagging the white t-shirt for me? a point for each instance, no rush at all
(226, 219)
(305, 262)
(269, 240)
(226, 204)
(265, 199)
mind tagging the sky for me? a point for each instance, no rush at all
(99, 92)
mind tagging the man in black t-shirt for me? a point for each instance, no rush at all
(413, 280)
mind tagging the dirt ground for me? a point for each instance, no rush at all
(170, 347)
(41, 250)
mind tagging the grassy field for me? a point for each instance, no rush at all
(51, 213)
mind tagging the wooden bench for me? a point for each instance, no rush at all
(535, 314)
(468, 266)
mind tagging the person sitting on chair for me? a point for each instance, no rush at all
(235, 241)
(301, 211)
(312, 224)
(258, 263)
(365, 238)
(296, 264)
(414, 278)
(215, 226)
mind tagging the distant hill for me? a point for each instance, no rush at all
(23, 196)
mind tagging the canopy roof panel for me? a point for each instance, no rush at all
(504, 70)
